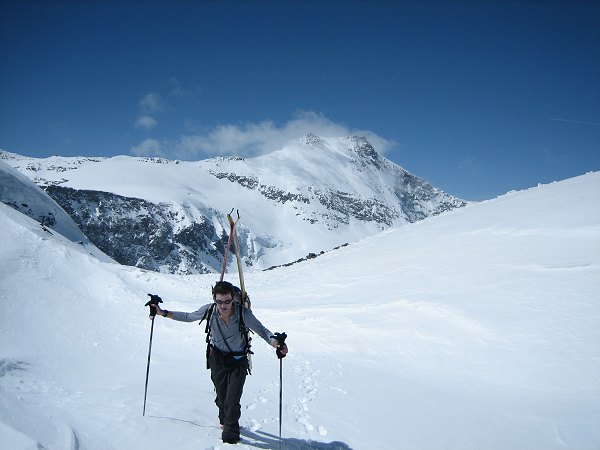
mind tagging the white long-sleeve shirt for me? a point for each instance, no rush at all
(221, 333)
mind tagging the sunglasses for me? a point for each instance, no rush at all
(223, 302)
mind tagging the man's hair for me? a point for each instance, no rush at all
(223, 287)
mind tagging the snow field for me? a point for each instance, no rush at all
(474, 329)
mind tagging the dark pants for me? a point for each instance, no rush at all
(228, 375)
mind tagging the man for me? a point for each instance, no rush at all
(227, 352)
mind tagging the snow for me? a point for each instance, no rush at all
(475, 329)
(18, 190)
(331, 183)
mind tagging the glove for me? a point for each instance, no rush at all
(281, 337)
(154, 300)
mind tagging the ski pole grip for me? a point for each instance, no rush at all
(154, 300)
(281, 337)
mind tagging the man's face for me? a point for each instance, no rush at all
(224, 303)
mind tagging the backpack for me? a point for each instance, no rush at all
(244, 330)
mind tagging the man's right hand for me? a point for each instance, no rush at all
(153, 304)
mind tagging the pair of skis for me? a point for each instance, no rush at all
(245, 301)
(233, 238)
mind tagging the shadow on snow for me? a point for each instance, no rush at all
(260, 439)
(270, 441)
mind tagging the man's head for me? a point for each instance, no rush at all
(223, 295)
(222, 289)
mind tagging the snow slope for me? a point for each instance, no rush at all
(474, 329)
(20, 192)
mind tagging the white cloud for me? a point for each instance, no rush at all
(580, 122)
(146, 122)
(252, 139)
(150, 103)
(149, 147)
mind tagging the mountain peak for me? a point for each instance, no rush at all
(313, 140)
(363, 148)
(358, 140)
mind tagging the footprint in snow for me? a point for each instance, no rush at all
(309, 388)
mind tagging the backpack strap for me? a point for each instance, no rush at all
(208, 316)
(243, 300)
(244, 330)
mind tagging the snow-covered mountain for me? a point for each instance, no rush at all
(22, 194)
(308, 197)
(475, 329)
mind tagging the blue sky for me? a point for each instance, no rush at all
(478, 98)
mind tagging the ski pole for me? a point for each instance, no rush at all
(280, 396)
(281, 340)
(154, 300)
